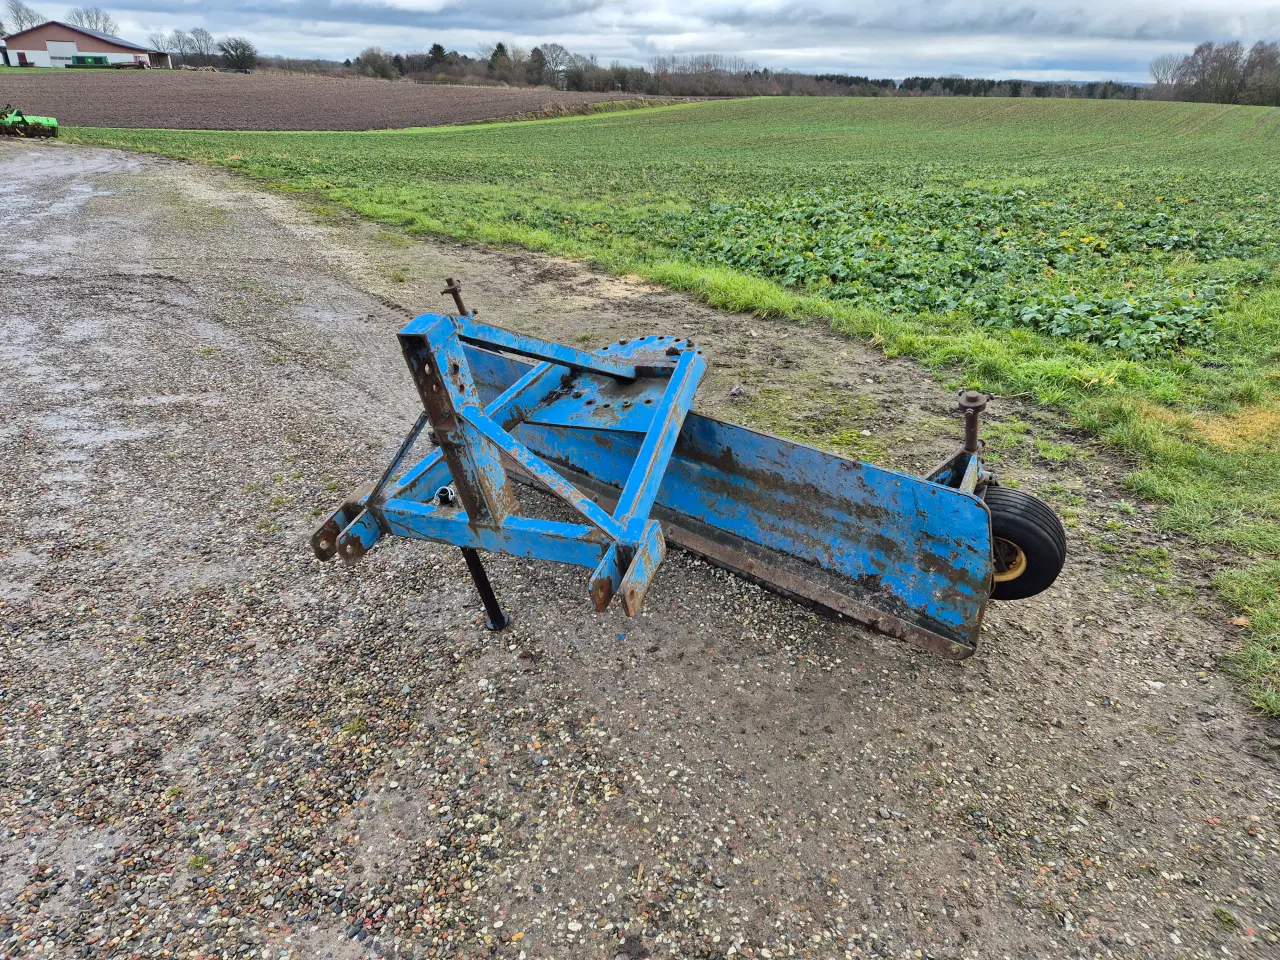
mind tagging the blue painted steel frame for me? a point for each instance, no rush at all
(908, 555)
(624, 549)
(911, 556)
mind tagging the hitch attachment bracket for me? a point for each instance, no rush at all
(652, 382)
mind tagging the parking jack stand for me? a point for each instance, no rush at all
(494, 618)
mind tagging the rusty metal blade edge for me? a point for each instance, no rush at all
(814, 594)
(769, 576)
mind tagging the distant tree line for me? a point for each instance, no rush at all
(552, 65)
(966, 87)
(708, 75)
(1216, 73)
(1220, 73)
(199, 48)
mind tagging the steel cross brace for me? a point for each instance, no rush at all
(476, 443)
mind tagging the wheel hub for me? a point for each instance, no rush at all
(1010, 560)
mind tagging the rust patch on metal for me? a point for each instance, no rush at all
(798, 588)
(324, 542)
(602, 593)
(888, 614)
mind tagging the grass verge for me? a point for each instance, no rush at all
(559, 110)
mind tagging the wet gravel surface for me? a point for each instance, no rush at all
(216, 746)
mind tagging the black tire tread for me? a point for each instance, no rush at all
(998, 498)
(1008, 505)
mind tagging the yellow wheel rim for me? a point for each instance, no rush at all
(1010, 556)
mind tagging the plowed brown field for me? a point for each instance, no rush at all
(264, 101)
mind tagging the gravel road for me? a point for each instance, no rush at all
(215, 746)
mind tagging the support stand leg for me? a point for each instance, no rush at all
(494, 618)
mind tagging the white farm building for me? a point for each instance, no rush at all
(56, 44)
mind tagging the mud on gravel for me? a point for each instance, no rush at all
(190, 100)
(215, 745)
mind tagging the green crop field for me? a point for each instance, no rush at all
(1116, 261)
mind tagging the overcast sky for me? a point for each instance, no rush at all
(1050, 39)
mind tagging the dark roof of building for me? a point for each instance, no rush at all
(118, 41)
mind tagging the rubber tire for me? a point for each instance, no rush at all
(1032, 525)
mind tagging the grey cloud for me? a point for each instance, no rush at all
(1078, 38)
(1107, 20)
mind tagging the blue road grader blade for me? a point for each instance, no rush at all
(610, 433)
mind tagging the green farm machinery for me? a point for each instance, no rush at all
(15, 123)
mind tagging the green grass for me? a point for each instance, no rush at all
(4, 69)
(579, 110)
(1115, 261)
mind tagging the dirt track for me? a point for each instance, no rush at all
(214, 743)
(187, 100)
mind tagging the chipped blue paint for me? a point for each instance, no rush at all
(604, 404)
(650, 463)
(909, 555)
(474, 428)
(644, 567)
(484, 335)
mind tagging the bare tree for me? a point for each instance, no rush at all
(1226, 72)
(1262, 56)
(557, 57)
(93, 18)
(1262, 75)
(181, 42)
(1212, 73)
(1164, 70)
(22, 17)
(160, 42)
(376, 62)
(238, 53)
(1193, 73)
(203, 43)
